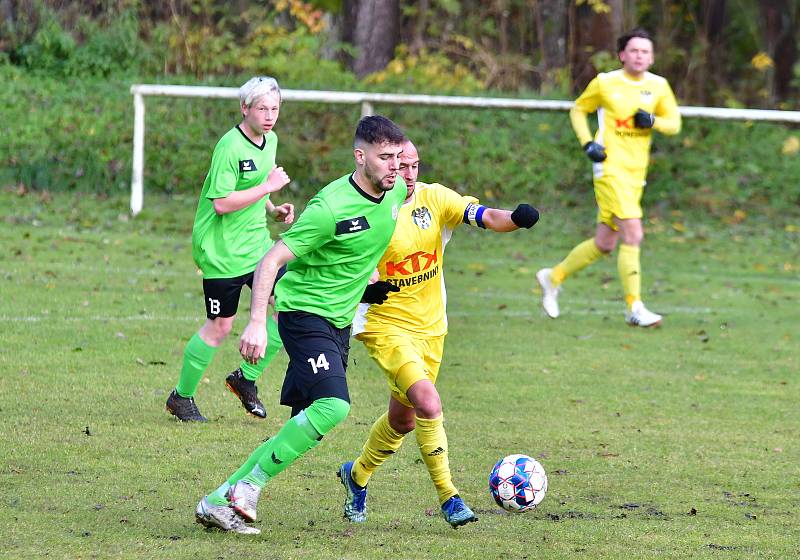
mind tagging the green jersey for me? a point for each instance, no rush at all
(338, 241)
(230, 245)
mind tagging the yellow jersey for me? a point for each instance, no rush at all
(414, 263)
(616, 96)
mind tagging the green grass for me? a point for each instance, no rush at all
(671, 443)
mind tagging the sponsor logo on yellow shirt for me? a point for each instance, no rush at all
(411, 264)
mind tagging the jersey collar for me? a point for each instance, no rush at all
(362, 192)
(263, 139)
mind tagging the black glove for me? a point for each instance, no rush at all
(378, 292)
(643, 119)
(525, 216)
(595, 151)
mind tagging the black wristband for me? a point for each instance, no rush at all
(525, 216)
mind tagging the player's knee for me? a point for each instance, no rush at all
(634, 238)
(605, 245)
(221, 327)
(425, 398)
(429, 406)
(326, 413)
(402, 425)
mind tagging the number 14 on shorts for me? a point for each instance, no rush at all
(320, 363)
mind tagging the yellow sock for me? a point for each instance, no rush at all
(432, 443)
(630, 273)
(580, 257)
(382, 442)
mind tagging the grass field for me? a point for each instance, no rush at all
(680, 442)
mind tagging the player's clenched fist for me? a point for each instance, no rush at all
(595, 151)
(277, 179)
(378, 292)
(643, 119)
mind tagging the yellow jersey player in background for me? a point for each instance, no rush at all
(405, 335)
(630, 103)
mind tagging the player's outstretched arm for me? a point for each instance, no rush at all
(237, 200)
(524, 216)
(253, 341)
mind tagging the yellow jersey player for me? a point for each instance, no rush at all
(630, 103)
(405, 335)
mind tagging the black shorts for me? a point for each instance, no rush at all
(317, 359)
(222, 294)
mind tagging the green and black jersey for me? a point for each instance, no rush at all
(338, 241)
(230, 245)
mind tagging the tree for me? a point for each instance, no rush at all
(594, 27)
(781, 45)
(551, 32)
(373, 28)
(714, 21)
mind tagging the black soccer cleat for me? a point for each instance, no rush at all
(247, 392)
(183, 408)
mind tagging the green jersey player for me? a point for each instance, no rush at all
(330, 254)
(229, 237)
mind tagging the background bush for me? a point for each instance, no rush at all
(66, 114)
(75, 133)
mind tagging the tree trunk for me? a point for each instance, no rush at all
(551, 33)
(372, 27)
(780, 44)
(713, 26)
(592, 31)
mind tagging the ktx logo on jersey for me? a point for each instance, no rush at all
(247, 165)
(352, 225)
(415, 262)
(625, 123)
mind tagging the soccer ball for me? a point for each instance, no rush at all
(518, 483)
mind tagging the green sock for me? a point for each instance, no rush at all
(248, 465)
(218, 497)
(252, 372)
(300, 434)
(293, 440)
(196, 357)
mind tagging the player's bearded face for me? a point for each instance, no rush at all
(381, 164)
(262, 114)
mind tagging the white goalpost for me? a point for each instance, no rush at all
(367, 102)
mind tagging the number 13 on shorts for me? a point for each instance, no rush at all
(320, 363)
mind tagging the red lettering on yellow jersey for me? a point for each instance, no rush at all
(624, 123)
(415, 262)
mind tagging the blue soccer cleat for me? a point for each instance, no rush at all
(457, 513)
(355, 502)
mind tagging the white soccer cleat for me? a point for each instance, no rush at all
(640, 316)
(549, 292)
(244, 499)
(222, 517)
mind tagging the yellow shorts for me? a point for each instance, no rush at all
(393, 351)
(618, 196)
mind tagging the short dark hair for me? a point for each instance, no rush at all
(622, 42)
(376, 129)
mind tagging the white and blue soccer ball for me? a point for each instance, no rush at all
(518, 483)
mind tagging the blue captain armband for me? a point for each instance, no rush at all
(473, 215)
